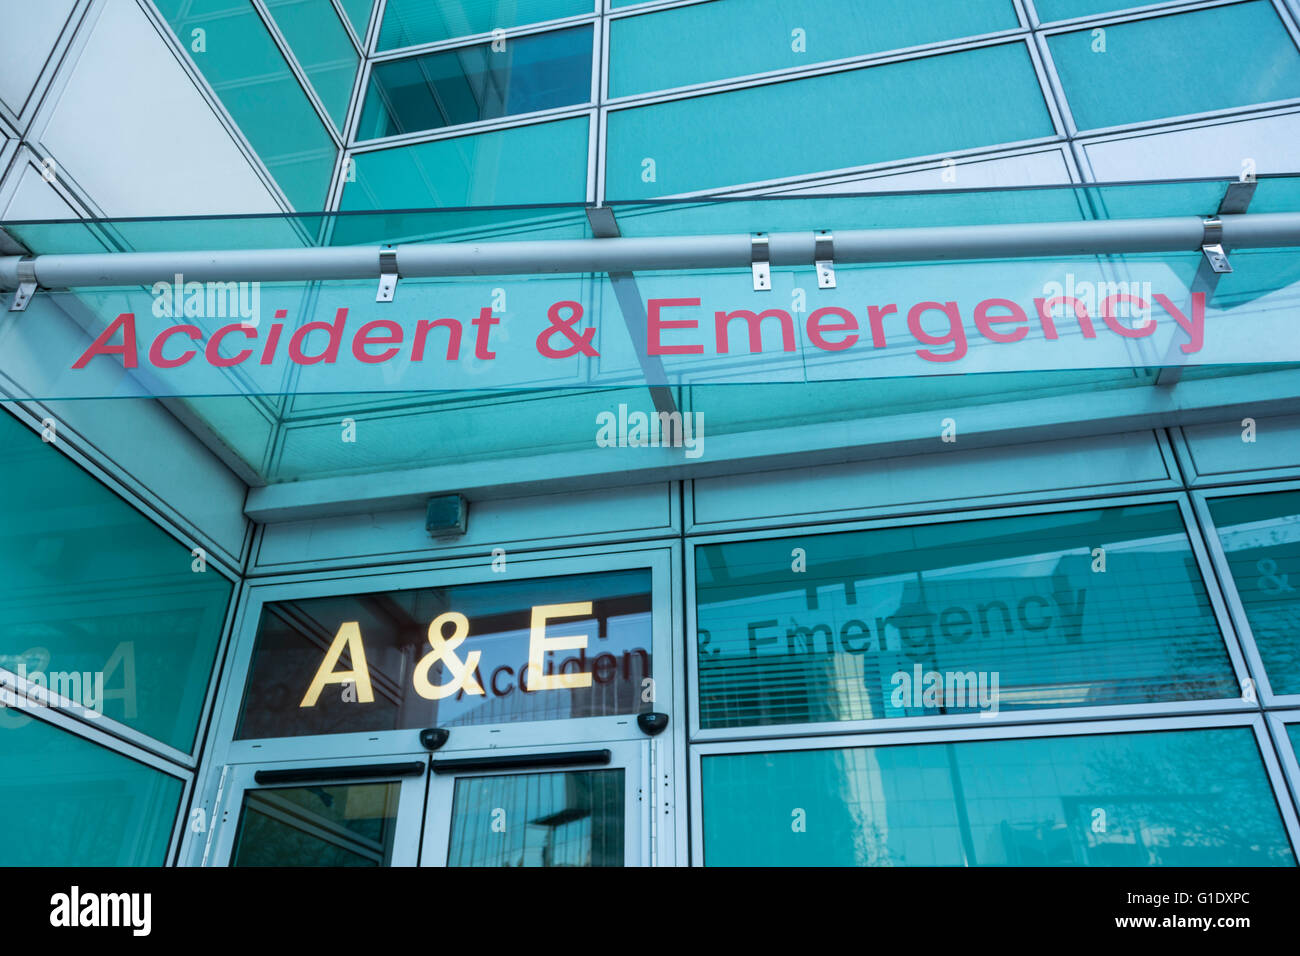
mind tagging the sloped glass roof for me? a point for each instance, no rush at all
(282, 420)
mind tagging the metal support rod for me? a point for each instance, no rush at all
(668, 253)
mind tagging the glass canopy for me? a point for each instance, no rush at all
(483, 368)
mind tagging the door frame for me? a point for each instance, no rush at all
(631, 756)
(240, 779)
(225, 757)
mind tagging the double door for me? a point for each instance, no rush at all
(580, 806)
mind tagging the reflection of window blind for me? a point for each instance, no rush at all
(1012, 598)
(539, 819)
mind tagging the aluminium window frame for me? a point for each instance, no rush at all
(632, 757)
(480, 125)
(664, 527)
(1046, 716)
(1008, 39)
(99, 602)
(1030, 31)
(1245, 115)
(1201, 499)
(816, 68)
(214, 845)
(299, 71)
(1089, 489)
(1123, 17)
(170, 521)
(1269, 759)
(61, 720)
(798, 446)
(1136, 8)
(22, 120)
(1246, 477)
(660, 558)
(358, 40)
(1278, 721)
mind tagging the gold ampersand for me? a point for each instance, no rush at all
(444, 650)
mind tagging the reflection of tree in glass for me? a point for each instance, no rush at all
(1201, 800)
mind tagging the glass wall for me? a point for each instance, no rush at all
(726, 94)
(66, 801)
(956, 629)
(1082, 608)
(94, 589)
(1118, 799)
(1260, 535)
(110, 633)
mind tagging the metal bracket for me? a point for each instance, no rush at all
(824, 254)
(26, 284)
(387, 275)
(1212, 246)
(759, 257)
(1235, 202)
(1237, 197)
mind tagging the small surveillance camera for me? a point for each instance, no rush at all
(652, 723)
(434, 737)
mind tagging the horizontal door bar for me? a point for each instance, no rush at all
(568, 758)
(350, 772)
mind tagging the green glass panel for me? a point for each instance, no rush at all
(1030, 802)
(358, 12)
(1293, 732)
(915, 107)
(714, 41)
(93, 589)
(65, 801)
(333, 825)
(244, 66)
(990, 615)
(551, 819)
(758, 406)
(1261, 538)
(1276, 194)
(321, 46)
(484, 169)
(1050, 11)
(1180, 59)
(408, 22)
(538, 72)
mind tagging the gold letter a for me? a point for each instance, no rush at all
(349, 636)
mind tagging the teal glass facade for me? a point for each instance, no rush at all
(1113, 800)
(672, 96)
(1061, 610)
(1068, 637)
(69, 802)
(94, 587)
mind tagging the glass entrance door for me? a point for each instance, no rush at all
(572, 808)
(497, 807)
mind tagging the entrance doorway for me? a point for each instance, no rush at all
(501, 807)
